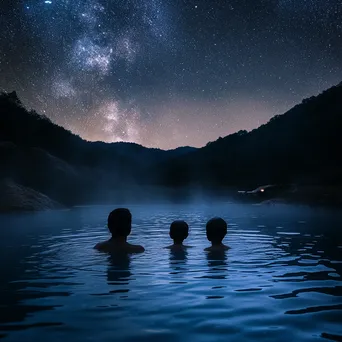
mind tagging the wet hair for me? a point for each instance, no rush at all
(119, 222)
(216, 229)
(179, 230)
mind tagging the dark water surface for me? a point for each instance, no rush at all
(281, 280)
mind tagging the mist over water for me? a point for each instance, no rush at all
(281, 280)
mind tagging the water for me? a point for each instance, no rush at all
(281, 280)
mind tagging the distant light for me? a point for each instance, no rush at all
(262, 190)
(48, 1)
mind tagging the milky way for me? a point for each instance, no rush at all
(166, 73)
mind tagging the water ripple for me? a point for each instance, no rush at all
(283, 267)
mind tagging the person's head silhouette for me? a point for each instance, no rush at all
(179, 231)
(216, 230)
(120, 223)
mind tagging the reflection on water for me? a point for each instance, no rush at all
(118, 272)
(217, 269)
(217, 265)
(280, 281)
(177, 263)
(178, 255)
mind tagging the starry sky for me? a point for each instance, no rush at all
(167, 73)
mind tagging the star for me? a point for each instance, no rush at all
(154, 72)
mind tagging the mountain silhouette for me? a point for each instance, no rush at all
(300, 146)
(38, 154)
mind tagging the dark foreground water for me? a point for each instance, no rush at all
(281, 280)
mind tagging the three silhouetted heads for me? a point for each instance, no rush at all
(216, 230)
(120, 222)
(179, 231)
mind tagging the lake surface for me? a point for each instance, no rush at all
(281, 280)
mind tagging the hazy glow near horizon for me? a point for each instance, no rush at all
(166, 73)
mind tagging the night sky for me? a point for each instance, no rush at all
(167, 73)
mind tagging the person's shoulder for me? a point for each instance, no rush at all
(136, 248)
(101, 245)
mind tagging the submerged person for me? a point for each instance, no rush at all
(179, 231)
(119, 224)
(216, 230)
